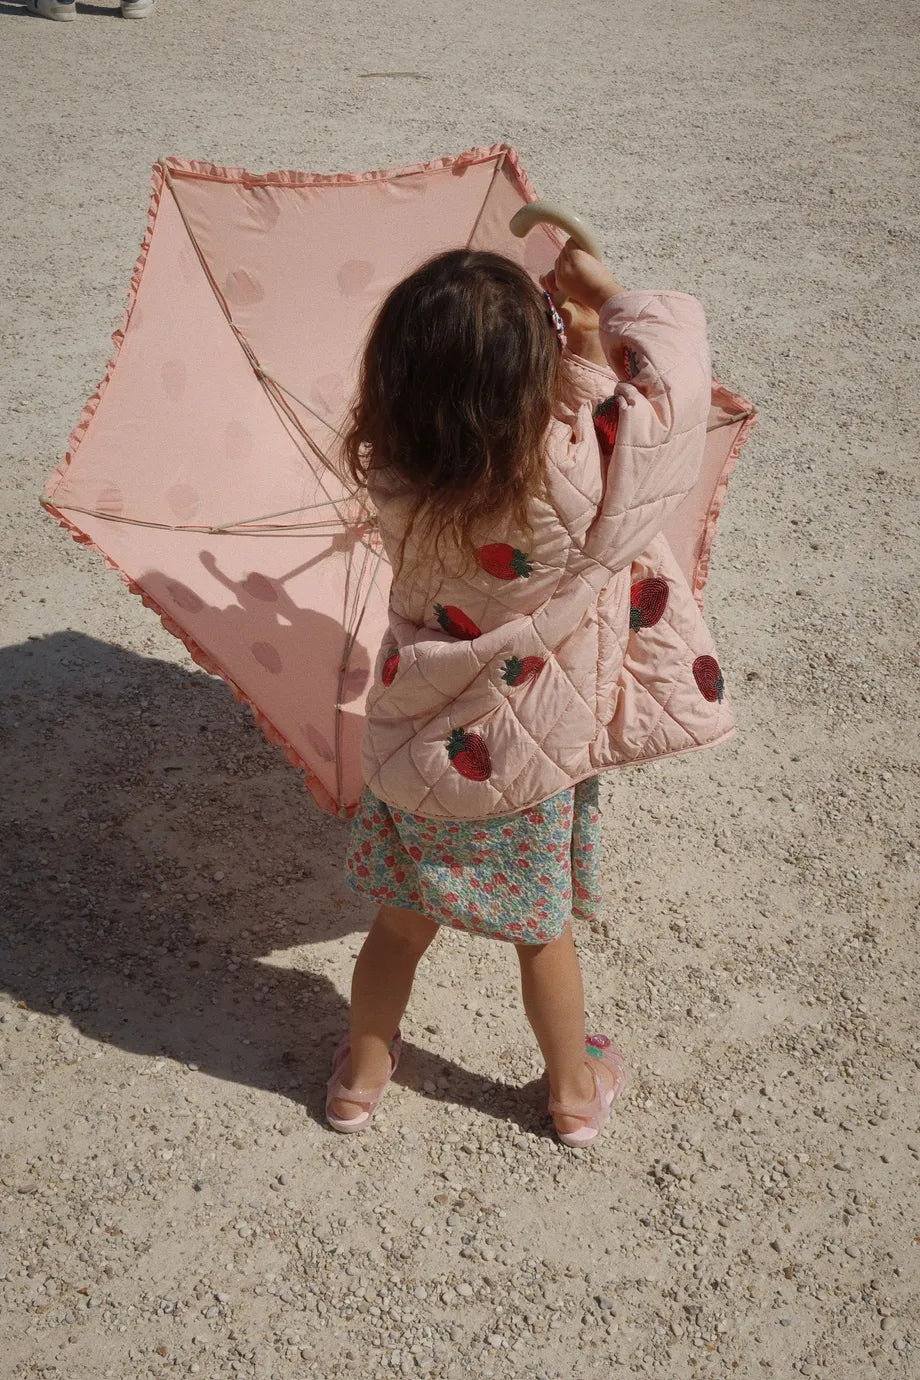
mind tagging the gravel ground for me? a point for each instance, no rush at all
(177, 936)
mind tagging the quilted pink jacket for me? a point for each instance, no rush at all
(578, 646)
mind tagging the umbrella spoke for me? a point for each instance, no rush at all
(273, 391)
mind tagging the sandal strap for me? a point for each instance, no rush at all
(584, 1111)
(581, 1111)
(337, 1091)
(364, 1097)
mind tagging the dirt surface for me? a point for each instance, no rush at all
(177, 936)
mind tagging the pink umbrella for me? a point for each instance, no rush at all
(200, 468)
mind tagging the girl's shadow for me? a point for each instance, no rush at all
(158, 850)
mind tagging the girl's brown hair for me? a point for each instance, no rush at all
(455, 393)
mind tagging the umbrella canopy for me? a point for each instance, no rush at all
(200, 468)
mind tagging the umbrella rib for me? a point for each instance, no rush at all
(353, 625)
(266, 517)
(271, 388)
(306, 407)
(734, 417)
(499, 164)
(227, 529)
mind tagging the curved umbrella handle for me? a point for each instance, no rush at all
(524, 220)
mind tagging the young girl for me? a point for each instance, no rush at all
(540, 630)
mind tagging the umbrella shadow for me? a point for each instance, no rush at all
(160, 857)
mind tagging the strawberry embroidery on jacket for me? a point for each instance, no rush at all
(455, 621)
(469, 755)
(647, 602)
(708, 677)
(606, 421)
(631, 362)
(390, 667)
(519, 670)
(504, 562)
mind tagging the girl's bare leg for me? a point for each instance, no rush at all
(554, 1001)
(380, 989)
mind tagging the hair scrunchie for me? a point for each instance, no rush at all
(555, 320)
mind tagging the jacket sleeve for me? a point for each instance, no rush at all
(656, 344)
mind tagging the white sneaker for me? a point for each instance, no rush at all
(52, 9)
(136, 9)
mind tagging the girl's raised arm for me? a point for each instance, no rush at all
(656, 343)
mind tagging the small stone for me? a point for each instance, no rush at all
(465, 1290)
(495, 1339)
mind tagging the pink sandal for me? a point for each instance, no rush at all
(593, 1114)
(336, 1091)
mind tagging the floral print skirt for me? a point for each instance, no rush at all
(519, 877)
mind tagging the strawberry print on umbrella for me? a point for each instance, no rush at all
(504, 562)
(648, 600)
(606, 421)
(520, 670)
(390, 667)
(455, 621)
(469, 755)
(708, 677)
